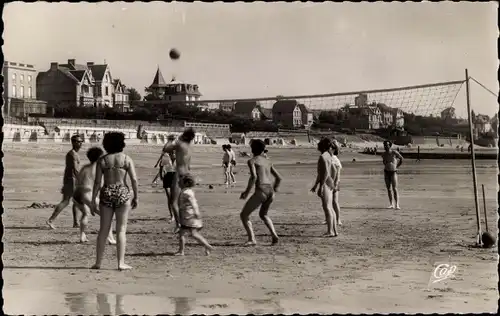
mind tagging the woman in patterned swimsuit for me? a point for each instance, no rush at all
(115, 196)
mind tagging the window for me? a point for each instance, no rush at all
(22, 92)
(107, 91)
(14, 91)
(21, 78)
(30, 93)
(29, 79)
(14, 77)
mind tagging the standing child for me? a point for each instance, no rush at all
(82, 198)
(189, 215)
(226, 159)
(232, 164)
(261, 170)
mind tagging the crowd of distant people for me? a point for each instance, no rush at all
(102, 188)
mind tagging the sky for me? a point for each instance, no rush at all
(251, 50)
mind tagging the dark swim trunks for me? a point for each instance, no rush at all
(168, 180)
(68, 188)
(266, 191)
(114, 195)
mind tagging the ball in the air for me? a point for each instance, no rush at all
(488, 240)
(174, 54)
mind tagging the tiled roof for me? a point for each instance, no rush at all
(158, 81)
(78, 74)
(303, 108)
(98, 71)
(245, 107)
(284, 106)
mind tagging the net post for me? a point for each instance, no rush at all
(473, 157)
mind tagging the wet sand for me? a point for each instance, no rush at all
(380, 263)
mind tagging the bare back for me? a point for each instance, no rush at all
(182, 152)
(263, 170)
(86, 176)
(114, 168)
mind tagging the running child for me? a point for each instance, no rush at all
(261, 170)
(82, 198)
(392, 160)
(189, 215)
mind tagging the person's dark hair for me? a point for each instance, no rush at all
(224, 147)
(257, 146)
(389, 143)
(188, 180)
(113, 142)
(228, 146)
(76, 138)
(324, 145)
(188, 135)
(94, 153)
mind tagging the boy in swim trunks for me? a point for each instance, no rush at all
(182, 151)
(261, 170)
(82, 198)
(70, 174)
(189, 215)
(392, 161)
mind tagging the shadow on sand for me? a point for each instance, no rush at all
(27, 227)
(47, 268)
(38, 243)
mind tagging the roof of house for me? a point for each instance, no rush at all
(284, 106)
(245, 107)
(98, 71)
(158, 80)
(303, 108)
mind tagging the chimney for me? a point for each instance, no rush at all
(90, 64)
(54, 66)
(71, 62)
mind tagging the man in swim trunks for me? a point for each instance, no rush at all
(182, 151)
(167, 173)
(261, 170)
(392, 161)
(82, 197)
(70, 174)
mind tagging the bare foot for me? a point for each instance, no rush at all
(250, 243)
(390, 206)
(50, 225)
(339, 222)
(324, 223)
(176, 229)
(397, 207)
(178, 253)
(275, 241)
(95, 267)
(329, 235)
(84, 239)
(111, 242)
(171, 219)
(208, 250)
(124, 267)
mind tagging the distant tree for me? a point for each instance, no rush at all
(133, 95)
